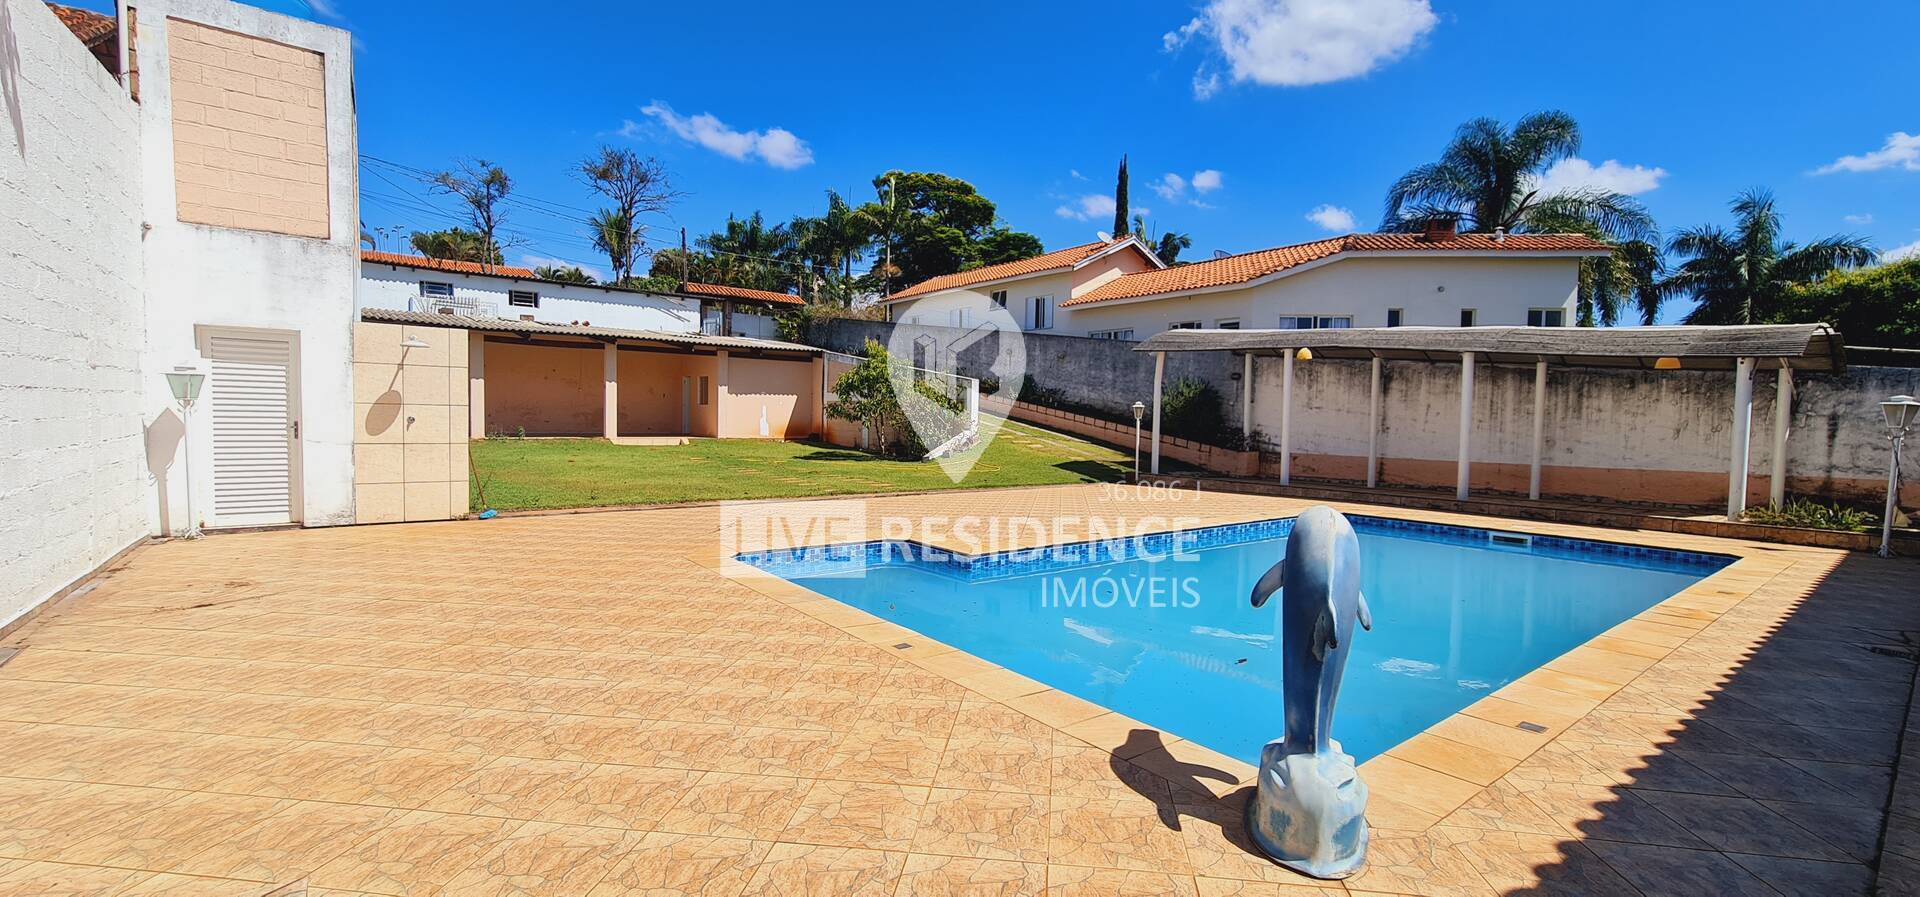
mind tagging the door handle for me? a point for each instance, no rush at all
(294, 427)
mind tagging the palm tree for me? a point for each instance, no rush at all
(558, 274)
(1488, 179)
(1606, 282)
(1739, 276)
(612, 232)
(1167, 246)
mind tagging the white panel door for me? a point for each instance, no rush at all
(254, 429)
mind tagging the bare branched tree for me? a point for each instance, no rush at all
(635, 185)
(483, 186)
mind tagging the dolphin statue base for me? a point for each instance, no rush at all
(1309, 812)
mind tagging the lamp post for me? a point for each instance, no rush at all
(184, 381)
(1901, 412)
(1139, 413)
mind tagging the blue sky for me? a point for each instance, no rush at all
(1296, 107)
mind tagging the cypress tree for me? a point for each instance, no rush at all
(1120, 201)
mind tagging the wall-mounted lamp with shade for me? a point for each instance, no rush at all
(185, 382)
(1304, 354)
(414, 342)
(1901, 413)
(1666, 363)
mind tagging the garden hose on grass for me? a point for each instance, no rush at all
(480, 484)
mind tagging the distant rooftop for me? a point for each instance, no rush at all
(727, 292)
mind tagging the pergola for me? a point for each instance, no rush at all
(1740, 349)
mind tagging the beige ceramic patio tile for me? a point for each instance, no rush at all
(857, 814)
(510, 787)
(669, 865)
(1192, 767)
(1227, 887)
(1521, 863)
(804, 870)
(1114, 833)
(1056, 708)
(60, 880)
(1419, 864)
(1002, 685)
(1125, 736)
(1082, 881)
(931, 875)
(983, 824)
(1461, 761)
(414, 855)
(291, 843)
(735, 805)
(1423, 789)
(1507, 741)
(544, 860)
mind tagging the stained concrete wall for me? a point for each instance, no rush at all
(73, 472)
(1654, 436)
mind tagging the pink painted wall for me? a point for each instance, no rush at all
(785, 392)
(548, 390)
(555, 391)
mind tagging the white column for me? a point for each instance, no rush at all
(476, 385)
(1466, 425)
(1373, 428)
(1286, 418)
(1246, 400)
(1539, 426)
(610, 390)
(1742, 433)
(1782, 419)
(1159, 375)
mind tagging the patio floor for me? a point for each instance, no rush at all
(597, 705)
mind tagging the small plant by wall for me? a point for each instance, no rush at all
(1810, 514)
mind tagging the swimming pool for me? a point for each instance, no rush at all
(1159, 627)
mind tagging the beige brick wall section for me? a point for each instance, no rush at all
(249, 131)
(410, 423)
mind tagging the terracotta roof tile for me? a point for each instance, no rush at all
(714, 289)
(457, 267)
(1057, 259)
(89, 26)
(1249, 266)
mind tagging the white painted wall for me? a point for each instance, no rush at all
(1431, 290)
(71, 462)
(199, 276)
(398, 287)
(936, 309)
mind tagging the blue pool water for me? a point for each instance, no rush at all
(1168, 637)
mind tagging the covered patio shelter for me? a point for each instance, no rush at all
(1741, 351)
(535, 379)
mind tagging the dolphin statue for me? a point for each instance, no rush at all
(1321, 577)
(1309, 812)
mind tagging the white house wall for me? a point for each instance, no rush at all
(1430, 290)
(72, 467)
(937, 309)
(398, 287)
(199, 276)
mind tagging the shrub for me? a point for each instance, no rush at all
(1810, 514)
(1191, 410)
(866, 395)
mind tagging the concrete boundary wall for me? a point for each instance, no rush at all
(73, 466)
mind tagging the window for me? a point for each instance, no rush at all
(523, 298)
(1039, 312)
(1395, 316)
(1546, 317)
(960, 317)
(434, 290)
(1468, 316)
(1315, 322)
(1000, 298)
(1184, 325)
(704, 398)
(1227, 324)
(913, 319)
(1112, 334)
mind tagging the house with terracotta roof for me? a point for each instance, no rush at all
(1032, 291)
(1436, 279)
(400, 282)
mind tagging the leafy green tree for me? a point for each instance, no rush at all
(1605, 284)
(1877, 306)
(1167, 246)
(864, 395)
(927, 224)
(559, 274)
(1002, 244)
(1488, 178)
(484, 187)
(1120, 201)
(613, 234)
(1742, 275)
(455, 244)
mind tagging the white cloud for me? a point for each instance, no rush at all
(1578, 174)
(1088, 207)
(1901, 149)
(1075, 172)
(1861, 220)
(1181, 190)
(1291, 43)
(777, 147)
(1901, 253)
(1332, 217)
(537, 261)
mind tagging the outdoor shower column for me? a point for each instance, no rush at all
(1286, 418)
(610, 390)
(1159, 374)
(1246, 403)
(1742, 438)
(1373, 428)
(1539, 426)
(1782, 421)
(1466, 425)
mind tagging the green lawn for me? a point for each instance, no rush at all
(524, 474)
